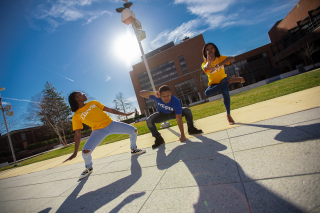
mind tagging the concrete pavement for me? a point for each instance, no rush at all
(268, 162)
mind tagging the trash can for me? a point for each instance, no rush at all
(300, 68)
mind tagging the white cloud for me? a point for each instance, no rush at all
(96, 15)
(71, 15)
(132, 99)
(237, 52)
(186, 29)
(18, 100)
(217, 14)
(61, 11)
(108, 78)
(5, 103)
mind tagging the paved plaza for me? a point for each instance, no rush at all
(272, 165)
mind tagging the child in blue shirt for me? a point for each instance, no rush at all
(169, 107)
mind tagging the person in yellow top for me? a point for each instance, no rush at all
(213, 66)
(93, 114)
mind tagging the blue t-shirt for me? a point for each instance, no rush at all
(173, 106)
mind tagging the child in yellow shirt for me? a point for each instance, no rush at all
(92, 114)
(213, 66)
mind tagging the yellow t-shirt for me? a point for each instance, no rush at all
(216, 77)
(92, 115)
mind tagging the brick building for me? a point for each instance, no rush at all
(300, 27)
(21, 138)
(179, 65)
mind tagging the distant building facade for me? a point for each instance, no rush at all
(179, 66)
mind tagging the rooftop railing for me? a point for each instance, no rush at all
(303, 28)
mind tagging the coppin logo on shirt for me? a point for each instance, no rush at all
(84, 114)
(166, 107)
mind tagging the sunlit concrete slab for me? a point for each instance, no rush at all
(276, 107)
(289, 194)
(286, 159)
(267, 166)
(212, 198)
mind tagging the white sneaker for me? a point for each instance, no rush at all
(85, 173)
(137, 151)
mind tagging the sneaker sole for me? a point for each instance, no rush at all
(154, 147)
(138, 153)
(86, 175)
(195, 133)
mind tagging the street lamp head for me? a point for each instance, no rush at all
(120, 9)
(127, 4)
(2, 88)
(8, 107)
(10, 113)
(128, 16)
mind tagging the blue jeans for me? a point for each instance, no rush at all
(159, 117)
(98, 135)
(224, 87)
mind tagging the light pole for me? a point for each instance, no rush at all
(7, 108)
(128, 17)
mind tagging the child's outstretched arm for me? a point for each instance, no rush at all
(77, 138)
(116, 112)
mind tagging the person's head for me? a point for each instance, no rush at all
(75, 98)
(165, 94)
(210, 49)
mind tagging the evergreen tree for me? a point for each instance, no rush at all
(50, 110)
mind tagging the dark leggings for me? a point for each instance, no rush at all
(159, 117)
(224, 87)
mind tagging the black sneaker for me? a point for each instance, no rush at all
(158, 142)
(137, 151)
(192, 130)
(85, 173)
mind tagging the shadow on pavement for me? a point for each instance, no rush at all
(289, 134)
(217, 178)
(94, 200)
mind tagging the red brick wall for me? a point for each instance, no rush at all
(191, 50)
(298, 12)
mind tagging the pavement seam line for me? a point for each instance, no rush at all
(158, 182)
(235, 161)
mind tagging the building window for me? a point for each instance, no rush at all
(183, 65)
(187, 92)
(160, 74)
(23, 136)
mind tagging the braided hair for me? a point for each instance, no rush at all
(73, 102)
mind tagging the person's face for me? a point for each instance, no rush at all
(210, 50)
(81, 97)
(165, 96)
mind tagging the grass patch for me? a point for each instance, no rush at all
(263, 93)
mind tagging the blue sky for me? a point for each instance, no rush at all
(83, 45)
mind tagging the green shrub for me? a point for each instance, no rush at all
(51, 141)
(37, 145)
(5, 154)
(55, 140)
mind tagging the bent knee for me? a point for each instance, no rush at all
(135, 131)
(86, 152)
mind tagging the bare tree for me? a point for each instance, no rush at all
(291, 60)
(123, 103)
(308, 50)
(11, 122)
(50, 110)
(201, 78)
(116, 107)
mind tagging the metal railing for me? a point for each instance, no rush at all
(303, 28)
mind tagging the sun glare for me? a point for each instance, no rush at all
(127, 48)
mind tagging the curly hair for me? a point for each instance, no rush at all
(204, 54)
(73, 102)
